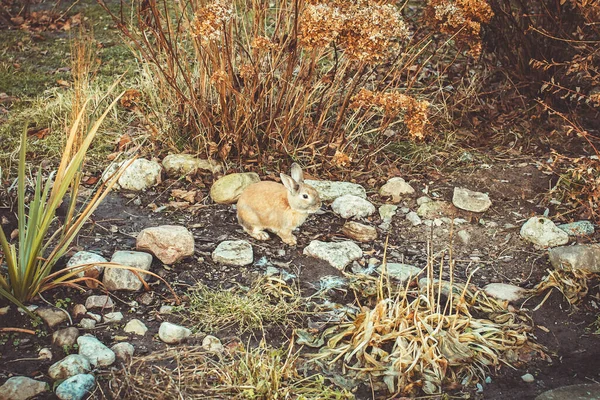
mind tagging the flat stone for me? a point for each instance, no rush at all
(169, 243)
(172, 333)
(165, 310)
(579, 228)
(140, 175)
(79, 310)
(423, 199)
(331, 190)
(69, 366)
(543, 233)
(113, 317)
(21, 388)
(122, 279)
(95, 351)
(136, 326)
(359, 232)
(85, 261)
(212, 344)
(52, 316)
(469, 200)
(414, 218)
(387, 212)
(87, 323)
(227, 189)
(505, 291)
(400, 272)
(177, 165)
(396, 188)
(65, 337)
(77, 387)
(124, 351)
(433, 209)
(585, 391)
(337, 254)
(98, 301)
(580, 256)
(528, 378)
(233, 252)
(464, 236)
(350, 206)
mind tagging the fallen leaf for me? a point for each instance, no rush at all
(124, 140)
(90, 180)
(14, 234)
(63, 83)
(179, 205)
(187, 195)
(39, 133)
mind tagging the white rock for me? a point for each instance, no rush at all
(85, 258)
(113, 317)
(543, 233)
(136, 326)
(87, 323)
(338, 254)
(359, 232)
(95, 351)
(101, 301)
(95, 317)
(65, 337)
(413, 218)
(77, 387)
(581, 256)
(396, 188)
(52, 316)
(464, 236)
(331, 190)
(528, 378)
(173, 334)
(69, 366)
(350, 206)
(387, 212)
(401, 272)
(21, 388)
(233, 252)
(45, 354)
(433, 209)
(177, 165)
(169, 243)
(4, 310)
(423, 199)
(124, 351)
(505, 291)
(165, 309)
(141, 174)
(469, 200)
(122, 279)
(212, 344)
(227, 189)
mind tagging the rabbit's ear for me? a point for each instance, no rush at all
(289, 183)
(297, 173)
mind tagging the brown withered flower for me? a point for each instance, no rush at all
(320, 24)
(130, 98)
(209, 21)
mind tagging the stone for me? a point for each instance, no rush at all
(414, 218)
(227, 189)
(401, 272)
(77, 387)
(233, 252)
(177, 165)
(359, 232)
(168, 243)
(433, 209)
(100, 301)
(173, 334)
(469, 200)
(45, 354)
(165, 310)
(528, 378)
(140, 175)
(4, 310)
(95, 317)
(87, 323)
(423, 199)
(579, 228)
(65, 337)
(123, 351)
(52, 316)
(86, 258)
(396, 188)
(79, 310)
(331, 190)
(123, 279)
(136, 326)
(351, 206)
(580, 256)
(543, 233)
(337, 254)
(584, 391)
(464, 236)
(505, 291)
(95, 351)
(113, 317)
(21, 388)
(212, 344)
(387, 212)
(69, 366)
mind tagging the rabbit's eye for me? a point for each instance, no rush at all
(305, 196)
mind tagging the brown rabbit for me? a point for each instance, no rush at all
(278, 208)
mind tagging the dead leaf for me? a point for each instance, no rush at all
(113, 156)
(187, 195)
(179, 205)
(14, 234)
(90, 180)
(63, 83)
(124, 141)
(39, 133)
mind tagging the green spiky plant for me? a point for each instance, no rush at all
(29, 262)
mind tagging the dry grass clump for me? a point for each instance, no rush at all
(262, 372)
(571, 282)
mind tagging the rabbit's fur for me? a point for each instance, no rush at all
(278, 208)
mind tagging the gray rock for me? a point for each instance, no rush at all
(423, 199)
(338, 254)
(469, 200)
(233, 252)
(585, 391)
(95, 351)
(396, 188)
(69, 366)
(212, 344)
(505, 291)
(113, 317)
(141, 174)
(77, 387)
(101, 301)
(124, 351)
(177, 165)
(359, 232)
(543, 233)
(387, 212)
(79, 310)
(413, 218)
(227, 189)
(433, 209)
(165, 310)
(580, 256)
(136, 326)
(350, 206)
(86, 258)
(464, 236)
(87, 323)
(331, 190)
(528, 378)
(579, 228)
(173, 334)
(95, 317)
(65, 337)
(400, 272)
(52, 316)
(169, 243)
(21, 388)
(122, 279)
